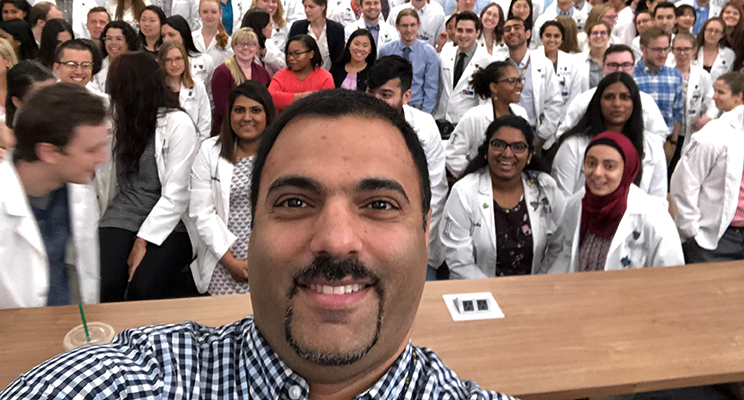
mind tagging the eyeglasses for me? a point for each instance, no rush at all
(297, 54)
(682, 49)
(598, 33)
(516, 147)
(659, 49)
(75, 65)
(114, 39)
(618, 66)
(610, 17)
(244, 45)
(513, 81)
(173, 60)
(714, 31)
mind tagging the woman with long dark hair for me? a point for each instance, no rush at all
(611, 224)
(503, 195)
(55, 32)
(117, 38)
(615, 106)
(303, 75)
(143, 232)
(15, 9)
(151, 22)
(220, 207)
(24, 79)
(272, 58)
(20, 36)
(177, 29)
(499, 82)
(350, 71)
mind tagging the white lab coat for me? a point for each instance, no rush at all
(210, 208)
(705, 184)
(188, 9)
(568, 167)
(239, 8)
(386, 34)
(499, 52)
(176, 145)
(79, 16)
(624, 29)
(202, 69)
(279, 38)
(550, 14)
(645, 237)
(713, 11)
(723, 64)
(454, 102)
(343, 13)
(218, 55)
(293, 11)
(470, 134)
(24, 267)
(195, 102)
(99, 79)
(570, 73)
(127, 16)
(546, 96)
(469, 230)
(584, 68)
(273, 60)
(699, 100)
(653, 122)
(433, 20)
(428, 133)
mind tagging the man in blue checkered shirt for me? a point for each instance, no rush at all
(664, 84)
(337, 260)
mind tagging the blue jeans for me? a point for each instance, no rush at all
(431, 273)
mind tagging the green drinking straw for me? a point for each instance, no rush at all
(85, 324)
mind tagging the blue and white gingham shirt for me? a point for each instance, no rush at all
(191, 361)
(666, 87)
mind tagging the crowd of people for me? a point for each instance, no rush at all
(559, 136)
(541, 137)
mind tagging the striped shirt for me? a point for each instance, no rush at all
(191, 361)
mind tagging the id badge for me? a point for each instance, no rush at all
(468, 93)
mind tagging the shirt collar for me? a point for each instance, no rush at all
(569, 13)
(698, 8)
(284, 379)
(524, 61)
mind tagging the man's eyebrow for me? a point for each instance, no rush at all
(295, 181)
(371, 184)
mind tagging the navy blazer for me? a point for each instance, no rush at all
(334, 36)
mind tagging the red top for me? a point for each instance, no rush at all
(285, 84)
(223, 84)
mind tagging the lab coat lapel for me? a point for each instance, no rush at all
(225, 171)
(485, 204)
(17, 206)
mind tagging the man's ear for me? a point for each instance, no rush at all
(47, 152)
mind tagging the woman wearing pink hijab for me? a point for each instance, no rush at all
(612, 224)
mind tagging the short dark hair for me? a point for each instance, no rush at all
(130, 36)
(652, 33)
(39, 12)
(257, 19)
(528, 22)
(48, 46)
(179, 23)
(97, 10)
(22, 33)
(338, 103)
(680, 11)
(388, 68)
(20, 78)
(555, 24)
(81, 45)
(51, 116)
(323, 3)
(618, 48)
(19, 4)
(346, 55)
(664, 4)
(734, 80)
(469, 16)
(309, 44)
(255, 91)
(161, 17)
(511, 121)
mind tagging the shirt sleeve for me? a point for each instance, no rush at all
(678, 106)
(282, 98)
(431, 82)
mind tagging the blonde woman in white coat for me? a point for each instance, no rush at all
(145, 234)
(706, 185)
(212, 39)
(611, 224)
(615, 106)
(712, 55)
(192, 95)
(500, 218)
(500, 85)
(567, 66)
(220, 191)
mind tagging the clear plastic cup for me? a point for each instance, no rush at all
(100, 333)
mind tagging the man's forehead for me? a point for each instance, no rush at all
(619, 57)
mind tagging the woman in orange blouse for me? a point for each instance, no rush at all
(303, 75)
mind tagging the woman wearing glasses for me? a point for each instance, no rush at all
(501, 83)
(238, 68)
(615, 106)
(590, 71)
(117, 38)
(713, 56)
(303, 75)
(500, 217)
(611, 224)
(600, 12)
